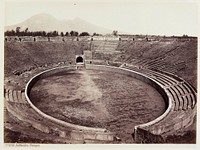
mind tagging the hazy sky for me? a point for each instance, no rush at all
(163, 17)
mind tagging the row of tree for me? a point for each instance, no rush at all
(25, 32)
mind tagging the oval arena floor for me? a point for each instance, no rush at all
(98, 99)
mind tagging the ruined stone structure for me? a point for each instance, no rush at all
(179, 96)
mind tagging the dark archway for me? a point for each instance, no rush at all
(79, 59)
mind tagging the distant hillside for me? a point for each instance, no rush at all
(46, 22)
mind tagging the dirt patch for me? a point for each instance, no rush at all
(98, 99)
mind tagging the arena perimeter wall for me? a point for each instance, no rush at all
(159, 129)
(78, 132)
(141, 133)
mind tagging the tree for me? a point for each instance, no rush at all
(96, 34)
(71, 33)
(75, 33)
(55, 33)
(62, 34)
(26, 30)
(67, 34)
(185, 35)
(18, 30)
(49, 34)
(115, 32)
(84, 34)
(10, 33)
(44, 33)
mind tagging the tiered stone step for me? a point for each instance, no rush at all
(182, 95)
(26, 129)
(17, 105)
(26, 114)
(15, 96)
(104, 46)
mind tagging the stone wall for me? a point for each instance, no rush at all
(156, 131)
(78, 132)
(169, 123)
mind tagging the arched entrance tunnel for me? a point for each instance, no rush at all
(79, 59)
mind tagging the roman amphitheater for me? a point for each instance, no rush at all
(104, 89)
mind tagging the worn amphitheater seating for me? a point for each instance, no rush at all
(76, 132)
(16, 96)
(182, 97)
(180, 93)
(30, 55)
(149, 63)
(163, 55)
(183, 108)
(24, 112)
(104, 46)
(140, 62)
(158, 63)
(17, 105)
(34, 120)
(179, 89)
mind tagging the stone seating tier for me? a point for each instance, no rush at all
(181, 95)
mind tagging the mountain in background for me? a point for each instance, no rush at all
(46, 22)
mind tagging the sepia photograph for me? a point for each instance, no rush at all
(100, 72)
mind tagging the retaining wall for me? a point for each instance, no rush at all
(152, 132)
(133, 74)
(78, 132)
(169, 123)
